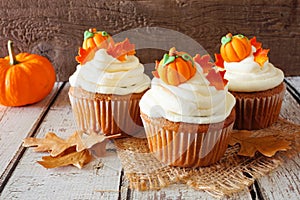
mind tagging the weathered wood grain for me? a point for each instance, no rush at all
(294, 82)
(100, 179)
(16, 123)
(54, 29)
(181, 191)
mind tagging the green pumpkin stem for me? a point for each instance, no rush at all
(11, 53)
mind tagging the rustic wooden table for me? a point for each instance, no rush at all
(22, 178)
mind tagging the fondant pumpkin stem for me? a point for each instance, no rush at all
(172, 51)
(229, 35)
(12, 56)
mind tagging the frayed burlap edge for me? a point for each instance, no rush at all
(231, 174)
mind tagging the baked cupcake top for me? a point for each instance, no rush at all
(247, 65)
(107, 67)
(186, 89)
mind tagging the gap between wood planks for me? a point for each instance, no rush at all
(292, 90)
(14, 162)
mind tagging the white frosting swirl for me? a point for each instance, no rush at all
(248, 76)
(192, 102)
(107, 75)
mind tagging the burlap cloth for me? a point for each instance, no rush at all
(231, 174)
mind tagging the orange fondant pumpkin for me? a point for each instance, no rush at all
(235, 48)
(96, 39)
(175, 68)
(25, 78)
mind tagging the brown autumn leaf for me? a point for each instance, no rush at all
(74, 150)
(250, 143)
(54, 144)
(69, 157)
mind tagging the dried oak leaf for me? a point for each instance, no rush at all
(69, 157)
(54, 144)
(266, 145)
(74, 150)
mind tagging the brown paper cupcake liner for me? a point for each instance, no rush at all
(258, 111)
(185, 146)
(105, 113)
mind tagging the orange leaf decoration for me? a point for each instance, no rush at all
(261, 56)
(219, 61)
(216, 79)
(254, 43)
(121, 50)
(204, 62)
(155, 73)
(250, 143)
(85, 55)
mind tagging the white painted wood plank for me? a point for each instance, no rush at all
(294, 81)
(16, 123)
(31, 181)
(182, 191)
(290, 109)
(284, 182)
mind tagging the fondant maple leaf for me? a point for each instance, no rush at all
(121, 49)
(254, 43)
(204, 63)
(216, 79)
(85, 55)
(155, 73)
(219, 60)
(261, 56)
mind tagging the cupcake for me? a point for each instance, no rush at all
(256, 84)
(188, 113)
(107, 86)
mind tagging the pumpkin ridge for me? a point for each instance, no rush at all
(239, 49)
(223, 53)
(172, 74)
(246, 49)
(233, 53)
(189, 72)
(176, 72)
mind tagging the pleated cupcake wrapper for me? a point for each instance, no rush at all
(258, 113)
(108, 117)
(187, 149)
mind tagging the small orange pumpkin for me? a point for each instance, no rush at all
(96, 39)
(235, 48)
(24, 78)
(175, 68)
